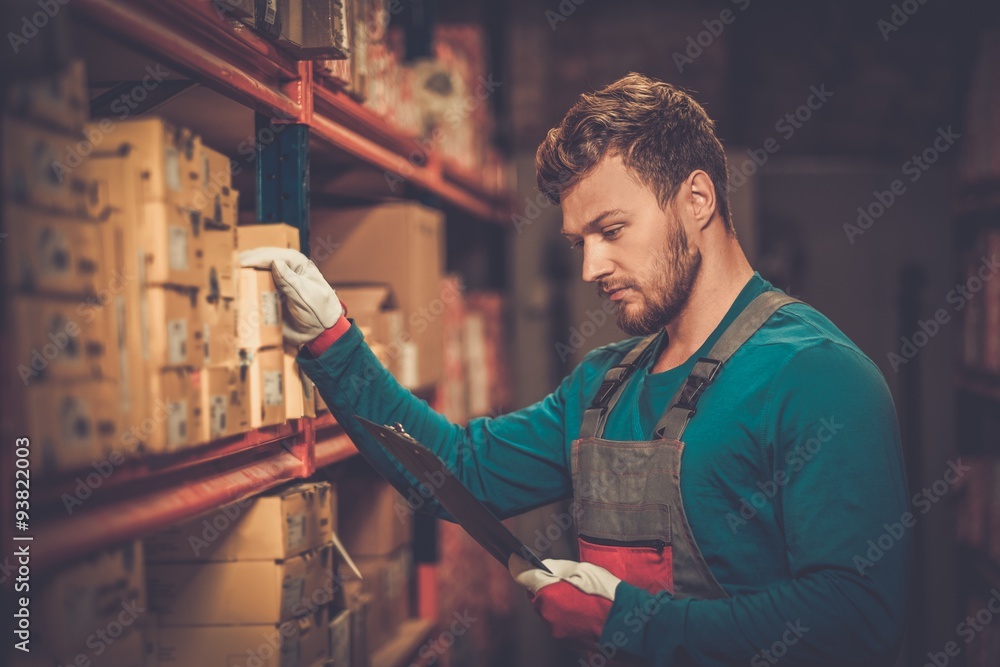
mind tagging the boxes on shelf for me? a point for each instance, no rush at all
(386, 580)
(42, 168)
(174, 329)
(71, 424)
(313, 28)
(225, 401)
(268, 382)
(275, 526)
(173, 241)
(242, 592)
(59, 338)
(250, 234)
(258, 323)
(215, 186)
(302, 642)
(52, 253)
(59, 100)
(176, 418)
(170, 158)
(218, 322)
(106, 589)
(399, 244)
(377, 521)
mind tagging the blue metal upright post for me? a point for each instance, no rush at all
(283, 175)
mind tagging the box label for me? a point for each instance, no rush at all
(172, 165)
(53, 252)
(177, 426)
(290, 652)
(274, 393)
(292, 590)
(296, 525)
(270, 309)
(177, 247)
(177, 336)
(217, 415)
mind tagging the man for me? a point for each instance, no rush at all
(730, 466)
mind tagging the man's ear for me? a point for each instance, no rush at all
(701, 202)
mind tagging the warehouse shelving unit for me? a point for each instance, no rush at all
(77, 513)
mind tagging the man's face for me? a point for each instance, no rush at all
(637, 253)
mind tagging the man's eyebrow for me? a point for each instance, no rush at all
(595, 222)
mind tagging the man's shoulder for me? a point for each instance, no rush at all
(799, 332)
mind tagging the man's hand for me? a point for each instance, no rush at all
(312, 305)
(574, 600)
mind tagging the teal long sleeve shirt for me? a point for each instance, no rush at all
(792, 481)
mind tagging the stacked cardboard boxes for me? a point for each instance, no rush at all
(60, 294)
(400, 245)
(92, 613)
(376, 528)
(253, 580)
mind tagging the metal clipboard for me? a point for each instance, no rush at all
(464, 507)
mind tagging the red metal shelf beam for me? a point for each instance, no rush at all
(61, 540)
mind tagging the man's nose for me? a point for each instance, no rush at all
(596, 265)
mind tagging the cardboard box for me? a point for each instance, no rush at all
(173, 241)
(377, 521)
(122, 277)
(267, 386)
(340, 638)
(225, 401)
(221, 262)
(386, 579)
(313, 29)
(252, 235)
(214, 185)
(52, 253)
(131, 649)
(274, 526)
(218, 322)
(360, 643)
(176, 417)
(243, 592)
(70, 424)
(295, 401)
(402, 245)
(173, 328)
(42, 168)
(298, 643)
(94, 593)
(258, 322)
(170, 158)
(58, 100)
(59, 338)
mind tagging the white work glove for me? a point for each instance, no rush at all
(312, 305)
(589, 578)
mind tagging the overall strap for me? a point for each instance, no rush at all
(611, 390)
(684, 403)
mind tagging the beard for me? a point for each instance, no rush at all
(663, 294)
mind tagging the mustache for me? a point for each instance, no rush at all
(605, 289)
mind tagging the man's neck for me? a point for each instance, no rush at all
(719, 282)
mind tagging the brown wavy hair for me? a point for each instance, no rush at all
(661, 133)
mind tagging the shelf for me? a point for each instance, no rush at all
(232, 60)
(399, 651)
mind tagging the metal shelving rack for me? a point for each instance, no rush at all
(146, 495)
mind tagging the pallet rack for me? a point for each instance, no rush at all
(329, 132)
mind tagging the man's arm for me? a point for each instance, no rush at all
(513, 463)
(844, 602)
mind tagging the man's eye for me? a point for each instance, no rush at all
(575, 245)
(612, 233)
